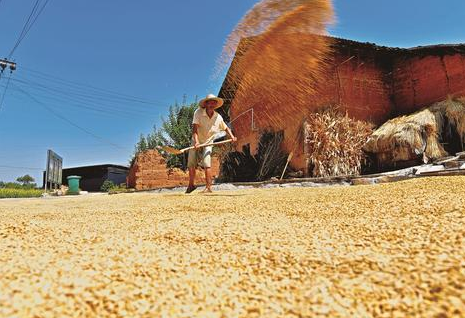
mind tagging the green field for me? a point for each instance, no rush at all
(20, 193)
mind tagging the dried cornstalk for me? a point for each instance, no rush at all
(335, 143)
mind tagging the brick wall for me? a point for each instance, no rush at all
(420, 81)
(149, 171)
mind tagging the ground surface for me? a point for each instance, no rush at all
(386, 250)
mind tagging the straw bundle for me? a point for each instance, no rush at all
(424, 134)
(334, 143)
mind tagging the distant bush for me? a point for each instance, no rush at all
(19, 193)
(107, 186)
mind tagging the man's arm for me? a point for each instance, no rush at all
(231, 135)
(195, 135)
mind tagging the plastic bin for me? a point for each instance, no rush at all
(73, 184)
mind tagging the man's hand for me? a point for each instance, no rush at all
(229, 132)
(196, 145)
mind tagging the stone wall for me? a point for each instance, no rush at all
(149, 171)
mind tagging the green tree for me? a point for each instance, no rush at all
(142, 144)
(176, 131)
(25, 180)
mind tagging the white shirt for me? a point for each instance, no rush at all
(208, 127)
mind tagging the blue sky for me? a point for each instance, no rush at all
(153, 50)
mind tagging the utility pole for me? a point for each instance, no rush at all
(4, 64)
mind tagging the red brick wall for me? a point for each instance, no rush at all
(354, 80)
(422, 81)
(149, 171)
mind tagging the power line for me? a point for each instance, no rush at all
(107, 110)
(22, 168)
(4, 91)
(62, 99)
(34, 8)
(32, 18)
(97, 90)
(39, 147)
(58, 115)
(81, 97)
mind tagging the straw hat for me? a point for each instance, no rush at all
(219, 101)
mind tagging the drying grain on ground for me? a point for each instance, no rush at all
(385, 250)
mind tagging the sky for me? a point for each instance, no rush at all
(93, 75)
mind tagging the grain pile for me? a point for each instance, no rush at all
(334, 144)
(351, 252)
(267, 72)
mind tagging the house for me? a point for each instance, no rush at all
(93, 177)
(366, 81)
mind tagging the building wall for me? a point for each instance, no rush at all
(117, 176)
(355, 80)
(93, 177)
(420, 81)
(368, 82)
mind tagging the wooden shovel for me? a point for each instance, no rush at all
(175, 151)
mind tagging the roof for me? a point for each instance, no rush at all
(99, 166)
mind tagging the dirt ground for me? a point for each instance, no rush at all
(387, 250)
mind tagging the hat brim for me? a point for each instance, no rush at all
(219, 102)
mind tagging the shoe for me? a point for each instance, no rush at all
(190, 189)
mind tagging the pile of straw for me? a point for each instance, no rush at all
(424, 135)
(333, 144)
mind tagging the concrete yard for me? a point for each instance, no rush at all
(386, 250)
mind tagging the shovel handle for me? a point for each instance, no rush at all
(207, 144)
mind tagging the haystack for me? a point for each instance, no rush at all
(333, 144)
(426, 135)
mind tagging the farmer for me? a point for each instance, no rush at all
(205, 125)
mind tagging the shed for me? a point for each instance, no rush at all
(93, 177)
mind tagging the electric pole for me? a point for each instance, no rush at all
(4, 64)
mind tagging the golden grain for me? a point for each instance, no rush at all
(385, 250)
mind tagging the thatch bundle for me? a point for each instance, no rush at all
(333, 144)
(427, 134)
